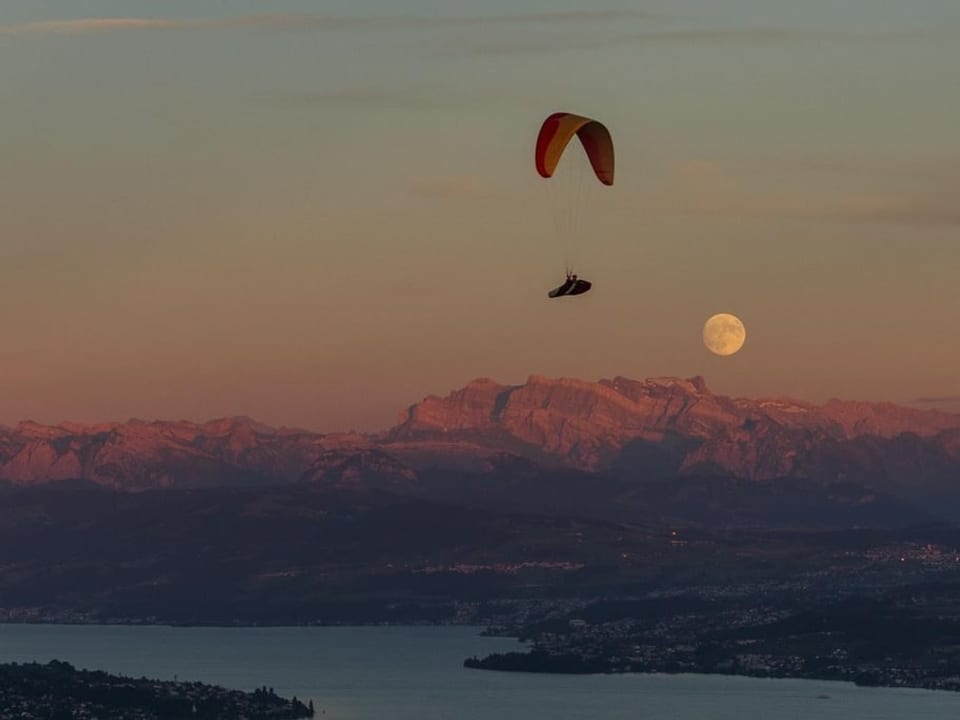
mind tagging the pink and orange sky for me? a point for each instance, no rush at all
(318, 216)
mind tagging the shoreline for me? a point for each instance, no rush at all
(538, 663)
(57, 689)
(479, 664)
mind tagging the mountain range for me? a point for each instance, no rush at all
(609, 437)
(495, 504)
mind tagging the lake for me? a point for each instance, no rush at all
(416, 673)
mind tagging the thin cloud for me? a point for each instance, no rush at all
(597, 41)
(381, 98)
(370, 98)
(939, 167)
(930, 211)
(708, 188)
(881, 209)
(86, 25)
(307, 22)
(943, 400)
(740, 37)
(573, 17)
(766, 36)
(450, 188)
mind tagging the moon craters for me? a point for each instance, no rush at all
(724, 334)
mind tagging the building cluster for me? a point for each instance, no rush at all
(57, 691)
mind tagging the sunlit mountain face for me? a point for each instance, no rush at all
(631, 431)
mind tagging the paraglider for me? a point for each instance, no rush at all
(571, 286)
(555, 135)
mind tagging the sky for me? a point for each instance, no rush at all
(316, 213)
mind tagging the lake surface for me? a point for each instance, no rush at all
(416, 673)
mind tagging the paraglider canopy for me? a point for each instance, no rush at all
(556, 133)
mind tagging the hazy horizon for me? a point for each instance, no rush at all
(208, 211)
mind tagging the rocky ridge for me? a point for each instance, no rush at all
(647, 428)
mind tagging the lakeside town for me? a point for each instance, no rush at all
(880, 616)
(58, 691)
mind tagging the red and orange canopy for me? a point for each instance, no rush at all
(556, 133)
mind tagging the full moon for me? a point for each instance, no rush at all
(724, 334)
